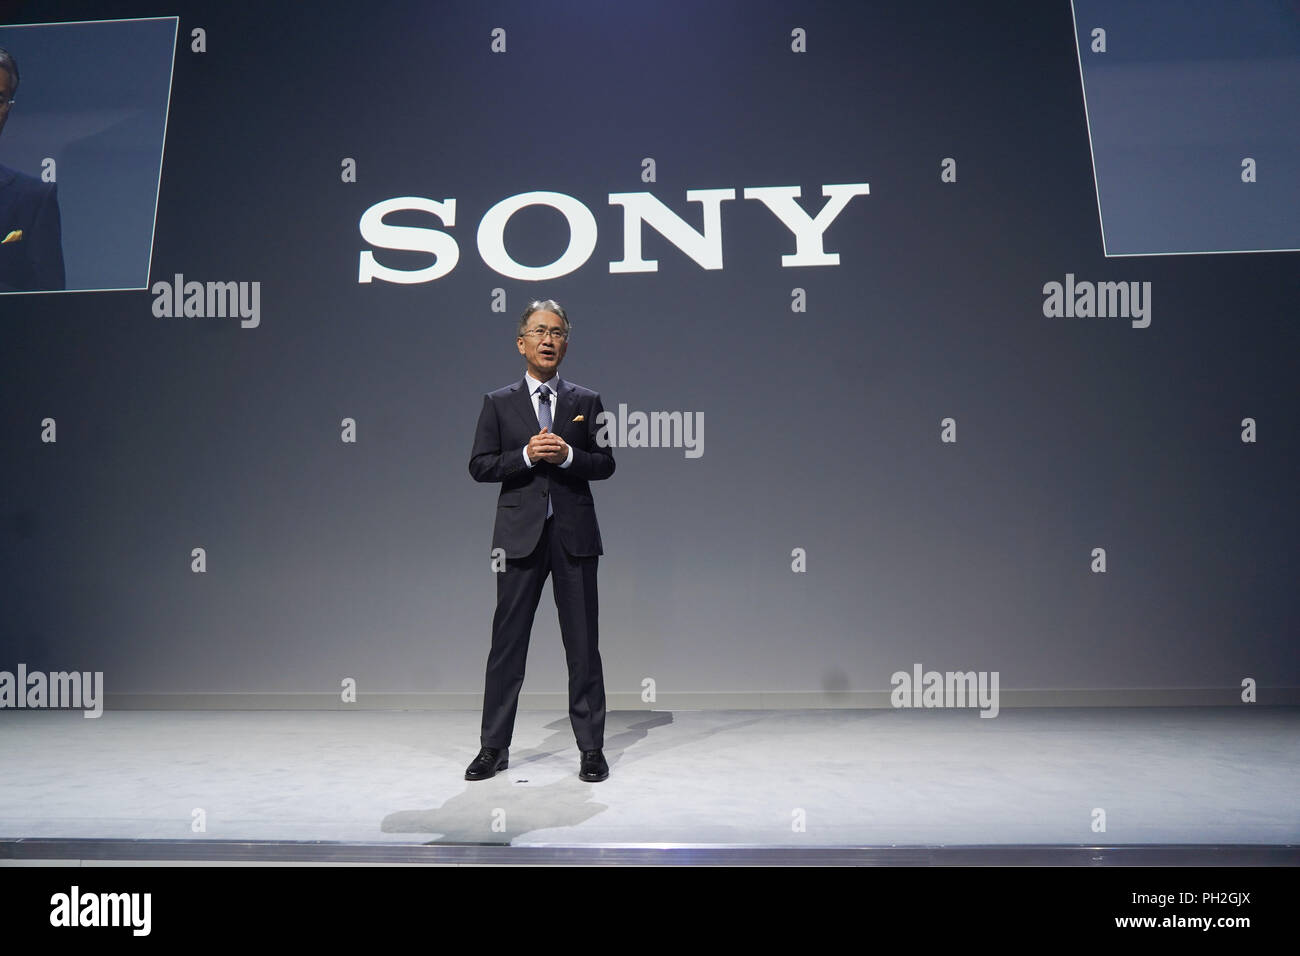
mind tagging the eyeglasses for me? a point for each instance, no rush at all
(540, 333)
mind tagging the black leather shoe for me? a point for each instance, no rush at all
(593, 766)
(488, 762)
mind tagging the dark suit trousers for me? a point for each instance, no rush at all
(519, 588)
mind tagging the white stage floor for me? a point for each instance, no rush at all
(855, 777)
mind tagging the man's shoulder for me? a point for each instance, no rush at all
(13, 179)
(581, 391)
(505, 391)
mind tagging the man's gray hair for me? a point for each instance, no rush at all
(542, 305)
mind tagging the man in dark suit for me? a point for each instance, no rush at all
(537, 438)
(31, 240)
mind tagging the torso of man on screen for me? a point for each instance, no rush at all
(31, 240)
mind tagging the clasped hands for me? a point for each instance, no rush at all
(547, 446)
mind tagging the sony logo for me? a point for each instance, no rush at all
(705, 247)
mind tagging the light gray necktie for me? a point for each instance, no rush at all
(544, 416)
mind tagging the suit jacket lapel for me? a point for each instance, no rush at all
(564, 406)
(522, 403)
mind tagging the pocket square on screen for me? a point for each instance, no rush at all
(579, 419)
(13, 236)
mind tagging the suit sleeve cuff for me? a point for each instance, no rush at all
(568, 461)
(527, 461)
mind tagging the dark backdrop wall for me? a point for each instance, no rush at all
(823, 390)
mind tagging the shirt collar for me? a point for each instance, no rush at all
(533, 385)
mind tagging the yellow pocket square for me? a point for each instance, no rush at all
(13, 236)
(579, 419)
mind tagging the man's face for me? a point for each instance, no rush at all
(543, 353)
(6, 91)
